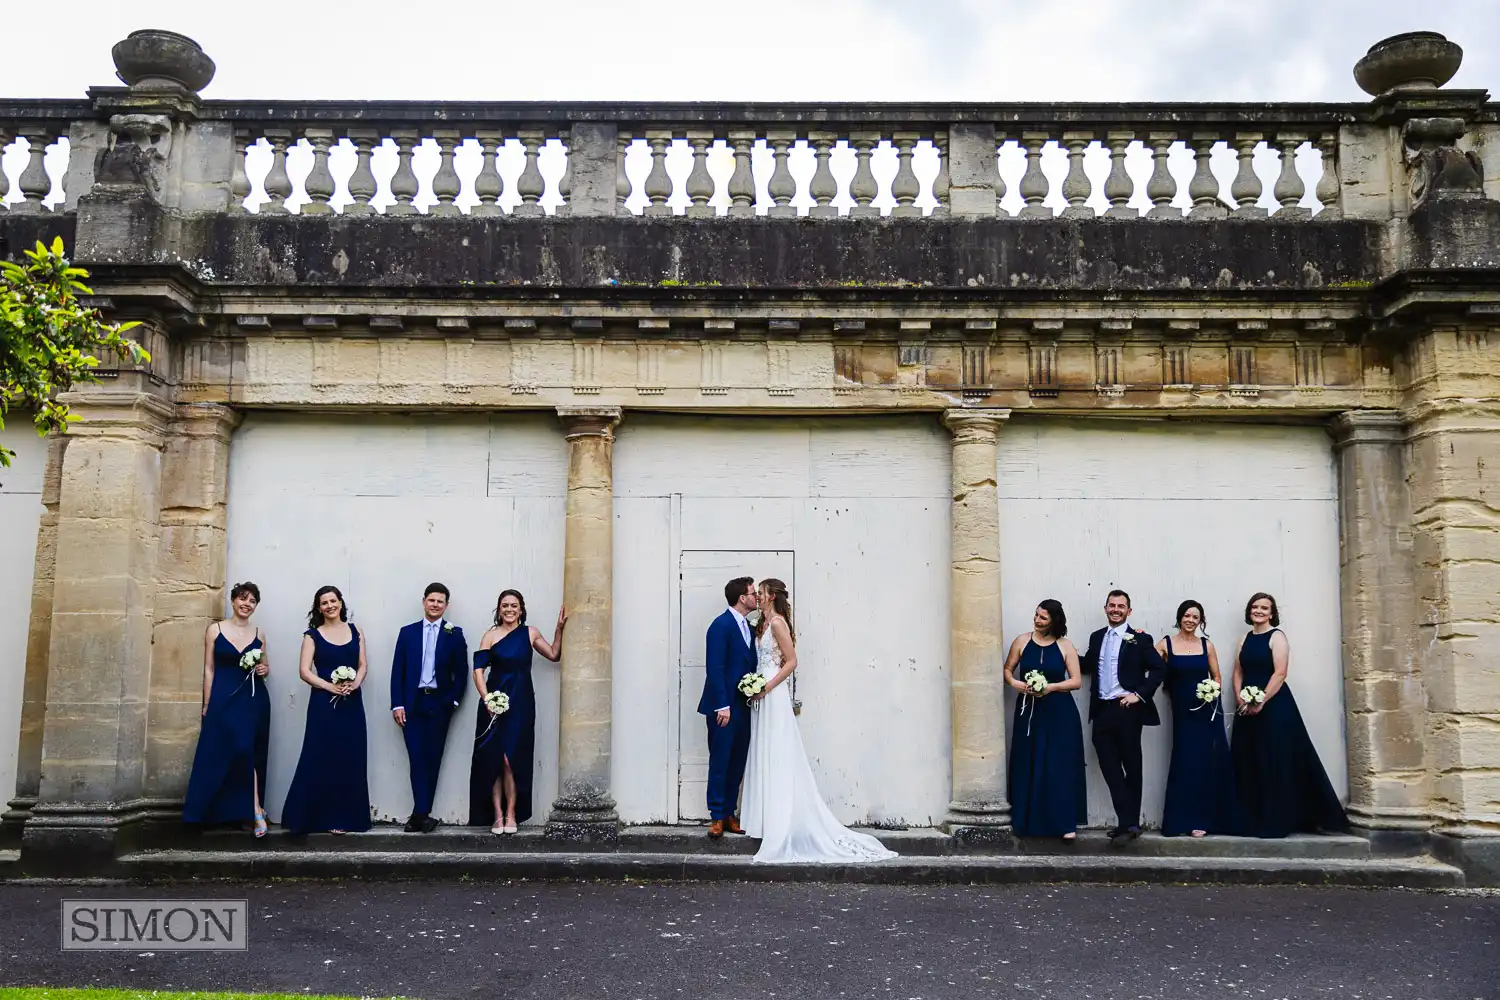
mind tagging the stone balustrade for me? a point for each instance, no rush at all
(1197, 162)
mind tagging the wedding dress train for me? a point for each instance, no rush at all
(782, 806)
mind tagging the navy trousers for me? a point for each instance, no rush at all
(1117, 741)
(426, 732)
(728, 749)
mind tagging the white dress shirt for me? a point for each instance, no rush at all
(429, 653)
(744, 625)
(1109, 662)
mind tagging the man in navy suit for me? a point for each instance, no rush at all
(731, 655)
(428, 674)
(1127, 671)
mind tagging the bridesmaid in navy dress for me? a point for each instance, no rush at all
(1200, 782)
(1282, 786)
(330, 790)
(1048, 790)
(500, 779)
(228, 781)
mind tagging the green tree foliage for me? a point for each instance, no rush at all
(48, 340)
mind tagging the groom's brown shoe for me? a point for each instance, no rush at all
(716, 829)
(732, 825)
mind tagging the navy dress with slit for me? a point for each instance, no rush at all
(510, 735)
(233, 740)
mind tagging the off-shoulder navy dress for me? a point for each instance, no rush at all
(510, 735)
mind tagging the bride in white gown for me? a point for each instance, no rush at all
(782, 806)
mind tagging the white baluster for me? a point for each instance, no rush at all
(531, 185)
(862, 188)
(446, 184)
(488, 185)
(1162, 186)
(404, 180)
(5, 140)
(781, 187)
(904, 186)
(824, 187)
(34, 184)
(700, 183)
(622, 179)
(1204, 187)
(319, 183)
(1289, 187)
(1076, 186)
(742, 181)
(278, 183)
(658, 181)
(239, 179)
(1119, 188)
(1000, 188)
(1034, 183)
(565, 182)
(1246, 188)
(1327, 191)
(942, 184)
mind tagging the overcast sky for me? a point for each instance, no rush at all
(888, 50)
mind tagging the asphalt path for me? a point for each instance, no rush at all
(573, 941)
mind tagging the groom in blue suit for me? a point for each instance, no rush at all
(428, 675)
(731, 655)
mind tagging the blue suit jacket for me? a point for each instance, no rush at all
(450, 663)
(727, 661)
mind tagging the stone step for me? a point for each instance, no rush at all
(169, 865)
(923, 842)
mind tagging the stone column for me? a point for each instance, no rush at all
(34, 683)
(1455, 450)
(584, 809)
(978, 812)
(99, 663)
(1386, 703)
(190, 592)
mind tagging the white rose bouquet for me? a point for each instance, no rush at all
(754, 618)
(341, 675)
(1036, 681)
(1252, 695)
(498, 703)
(751, 685)
(248, 662)
(1208, 694)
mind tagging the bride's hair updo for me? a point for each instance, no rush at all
(781, 602)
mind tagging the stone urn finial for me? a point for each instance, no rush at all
(152, 59)
(1417, 60)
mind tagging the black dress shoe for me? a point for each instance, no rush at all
(429, 824)
(413, 824)
(1119, 836)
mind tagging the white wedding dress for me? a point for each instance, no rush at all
(781, 805)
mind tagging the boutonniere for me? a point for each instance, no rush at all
(447, 626)
(1127, 636)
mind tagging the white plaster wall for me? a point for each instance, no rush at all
(20, 513)
(1170, 512)
(380, 506)
(863, 505)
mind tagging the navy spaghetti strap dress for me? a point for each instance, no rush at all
(233, 740)
(331, 790)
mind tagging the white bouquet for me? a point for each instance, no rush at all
(1208, 694)
(1036, 681)
(753, 619)
(498, 703)
(1252, 695)
(248, 662)
(751, 685)
(341, 675)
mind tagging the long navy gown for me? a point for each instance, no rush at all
(331, 790)
(513, 734)
(1200, 782)
(1282, 786)
(1048, 790)
(232, 742)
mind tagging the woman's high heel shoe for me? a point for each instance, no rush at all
(261, 827)
(510, 828)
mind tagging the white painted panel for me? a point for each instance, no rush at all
(20, 515)
(875, 693)
(409, 505)
(1194, 512)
